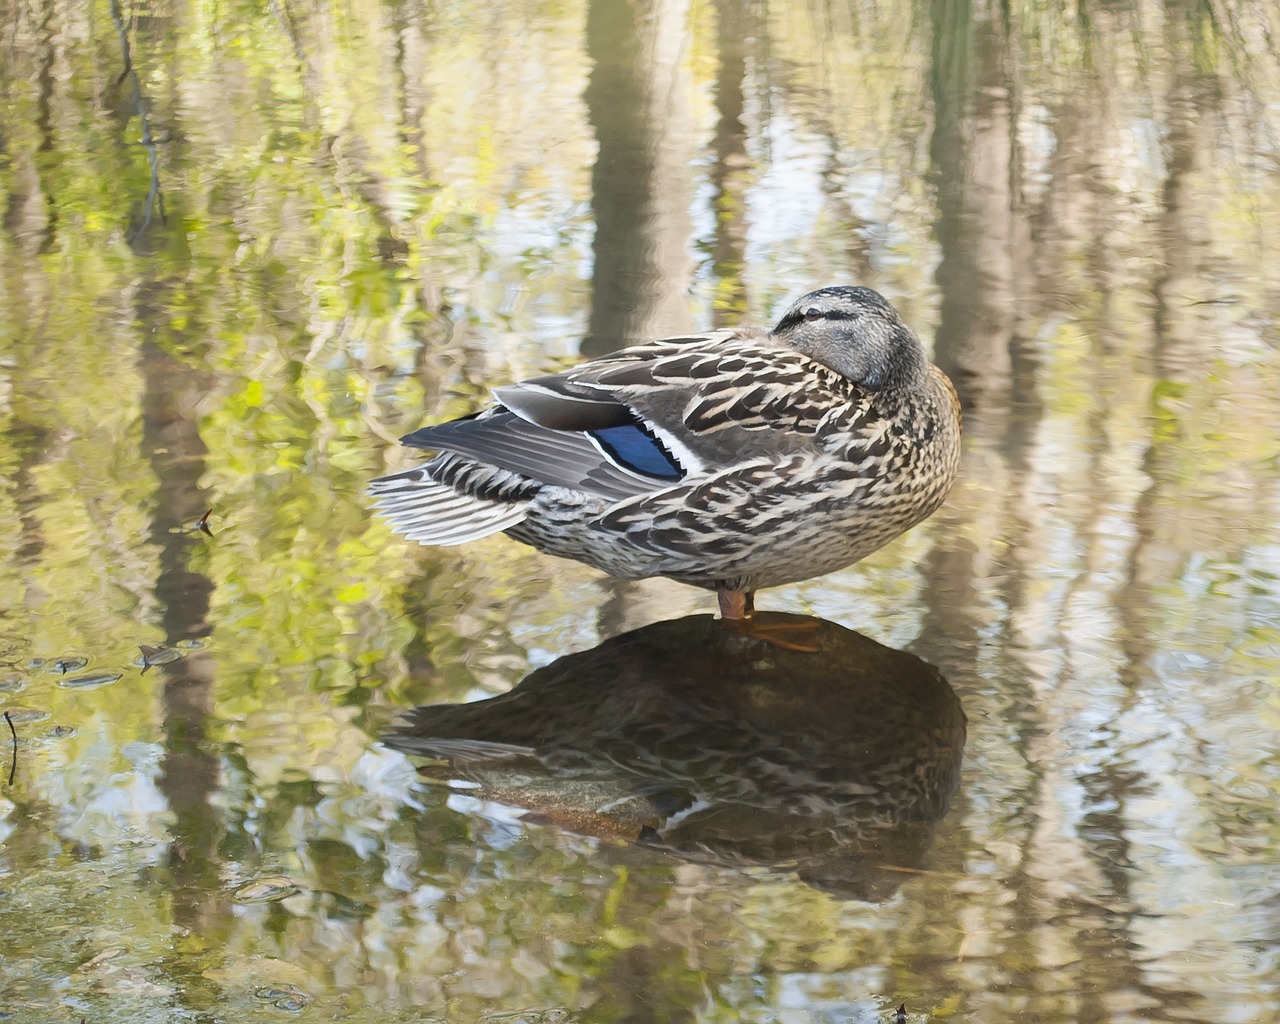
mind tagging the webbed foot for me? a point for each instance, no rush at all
(737, 612)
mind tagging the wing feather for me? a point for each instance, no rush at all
(682, 418)
(741, 398)
(429, 512)
(560, 458)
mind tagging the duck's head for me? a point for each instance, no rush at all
(855, 332)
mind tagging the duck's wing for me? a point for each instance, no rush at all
(700, 407)
(557, 432)
(611, 456)
(492, 464)
(634, 423)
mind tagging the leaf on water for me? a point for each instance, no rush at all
(271, 889)
(156, 656)
(91, 681)
(107, 954)
(287, 997)
(19, 715)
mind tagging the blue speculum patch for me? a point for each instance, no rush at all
(634, 448)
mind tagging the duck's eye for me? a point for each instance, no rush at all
(813, 313)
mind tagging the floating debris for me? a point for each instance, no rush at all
(91, 681)
(202, 524)
(19, 715)
(289, 998)
(110, 953)
(156, 656)
(272, 889)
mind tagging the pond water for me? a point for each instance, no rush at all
(1032, 774)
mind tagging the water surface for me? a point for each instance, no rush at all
(246, 246)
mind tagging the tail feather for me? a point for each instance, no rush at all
(410, 501)
(421, 509)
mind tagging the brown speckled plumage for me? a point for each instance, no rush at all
(734, 460)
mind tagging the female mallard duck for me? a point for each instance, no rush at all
(733, 460)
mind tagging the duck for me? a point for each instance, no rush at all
(733, 460)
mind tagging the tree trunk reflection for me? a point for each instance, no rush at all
(637, 101)
(973, 156)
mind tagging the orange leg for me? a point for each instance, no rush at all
(737, 605)
(738, 612)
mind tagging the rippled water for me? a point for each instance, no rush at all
(245, 247)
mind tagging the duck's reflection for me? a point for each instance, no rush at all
(695, 740)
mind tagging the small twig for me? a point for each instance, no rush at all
(13, 768)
